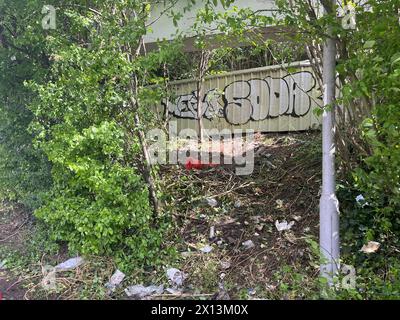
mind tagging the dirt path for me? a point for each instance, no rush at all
(248, 250)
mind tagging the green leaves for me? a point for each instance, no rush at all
(24, 171)
(369, 44)
(81, 118)
(395, 59)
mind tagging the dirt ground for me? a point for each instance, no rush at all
(226, 224)
(283, 187)
(14, 228)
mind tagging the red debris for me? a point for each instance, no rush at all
(192, 163)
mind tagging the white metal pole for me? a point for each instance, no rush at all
(329, 205)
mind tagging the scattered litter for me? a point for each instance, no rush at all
(248, 244)
(70, 264)
(238, 204)
(175, 276)
(2, 265)
(306, 229)
(256, 234)
(297, 218)
(222, 276)
(212, 232)
(212, 202)
(284, 225)
(115, 281)
(370, 247)
(139, 291)
(225, 265)
(361, 200)
(251, 291)
(279, 204)
(206, 249)
(219, 242)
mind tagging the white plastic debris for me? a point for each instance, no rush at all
(175, 276)
(251, 291)
(206, 249)
(139, 291)
(361, 200)
(2, 265)
(115, 281)
(212, 202)
(212, 232)
(284, 225)
(248, 244)
(70, 264)
(370, 247)
(297, 218)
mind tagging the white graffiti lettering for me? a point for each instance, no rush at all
(250, 100)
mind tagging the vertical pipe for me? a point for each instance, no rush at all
(329, 205)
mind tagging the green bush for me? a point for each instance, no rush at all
(98, 206)
(378, 67)
(24, 170)
(84, 122)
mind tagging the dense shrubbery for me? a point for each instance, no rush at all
(76, 114)
(98, 205)
(374, 61)
(377, 64)
(24, 170)
(86, 123)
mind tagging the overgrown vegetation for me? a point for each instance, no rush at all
(75, 104)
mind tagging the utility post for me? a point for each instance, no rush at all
(329, 205)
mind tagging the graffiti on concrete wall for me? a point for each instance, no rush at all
(250, 100)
